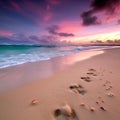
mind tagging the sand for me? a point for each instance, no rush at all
(87, 90)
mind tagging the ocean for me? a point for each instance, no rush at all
(11, 55)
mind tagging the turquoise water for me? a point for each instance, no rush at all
(11, 55)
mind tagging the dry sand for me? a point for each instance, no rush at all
(87, 90)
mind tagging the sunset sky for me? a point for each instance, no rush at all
(59, 21)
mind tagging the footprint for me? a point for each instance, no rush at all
(108, 85)
(78, 89)
(92, 72)
(86, 79)
(102, 108)
(65, 113)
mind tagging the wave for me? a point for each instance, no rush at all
(11, 55)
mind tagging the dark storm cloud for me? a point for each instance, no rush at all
(108, 6)
(89, 19)
(54, 30)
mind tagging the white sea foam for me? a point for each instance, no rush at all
(12, 57)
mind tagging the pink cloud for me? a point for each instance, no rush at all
(37, 13)
(5, 33)
(117, 9)
(33, 10)
(47, 16)
(114, 16)
(110, 19)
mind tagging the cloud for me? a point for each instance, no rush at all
(110, 42)
(89, 19)
(5, 33)
(12, 40)
(109, 7)
(66, 34)
(20, 39)
(43, 40)
(37, 11)
(54, 31)
(97, 42)
(113, 41)
(47, 16)
(33, 39)
(4, 40)
(118, 22)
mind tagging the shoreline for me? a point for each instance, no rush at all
(95, 48)
(89, 87)
(41, 69)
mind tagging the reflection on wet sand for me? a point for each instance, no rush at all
(25, 73)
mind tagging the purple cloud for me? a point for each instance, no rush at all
(107, 5)
(18, 39)
(89, 19)
(110, 7)
(109, 42)
(54, 31)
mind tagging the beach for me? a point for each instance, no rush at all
(82, 90)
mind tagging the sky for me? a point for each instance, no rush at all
(61, 22)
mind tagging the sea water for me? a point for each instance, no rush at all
(11, 55)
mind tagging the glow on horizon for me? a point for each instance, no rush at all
(102, 37)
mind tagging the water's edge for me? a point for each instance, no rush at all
(16, 55)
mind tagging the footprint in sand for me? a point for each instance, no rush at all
(108, 85)
(92, 72)
(100, 102)
(65, 113)
(78, 89)
(86, 79)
